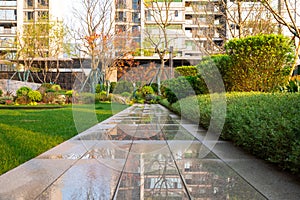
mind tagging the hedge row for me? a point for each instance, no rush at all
(266, 125)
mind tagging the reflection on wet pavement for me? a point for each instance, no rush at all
(147, 154)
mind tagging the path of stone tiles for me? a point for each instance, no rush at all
(143, 152)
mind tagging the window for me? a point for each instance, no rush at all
(7, 15)
(29, 3)
(43, 2)
(29, 16)
(43, 15)
(176, 13)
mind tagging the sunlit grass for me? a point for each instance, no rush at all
(26, 133)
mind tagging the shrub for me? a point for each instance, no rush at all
(154, 87)
(1, 92)
(147, 90)
(112, 86)
(23, 100)
(181, 87)
(259, 63)
(102, 96)
(261, 123)
(210, 67)
(186, 71)
(34, 96)
(100, 87)
(23, 91)
(69, 93)
(47, 85)
(86, 98)
(126, 94)
(6, 100)
(55, 87)
(49, 97)
(123, 86)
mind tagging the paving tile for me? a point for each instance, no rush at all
(146, 152)
(30, 179)
(87, 179)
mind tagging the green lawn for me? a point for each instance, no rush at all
(26, 133)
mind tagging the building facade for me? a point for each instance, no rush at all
(14, 14)
(193, 27)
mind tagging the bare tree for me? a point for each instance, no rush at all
(218, 21)
(40, 41)
(161, 31)
(285, 13)
(93, 36)
(98, 40)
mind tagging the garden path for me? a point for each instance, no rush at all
(146, 152)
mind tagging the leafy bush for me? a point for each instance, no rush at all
(102, 96)
(261, 123)
(147, 90)
(47, 85)
(259, 63)
(69, 93)
(55, 87)
(293, 86)
(123, 86)
(86, 98)
(154, 87)
(1, 92)
(181, 87)
(6, 100)
(49, 97)
(186, 71)
(23, 91)
(126, 94)
(210, 67)
(112, 86)
(35, 96)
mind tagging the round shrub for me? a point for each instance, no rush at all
(23, 91)
(35, 96)
(69, 93)
(155, 87)
(47, 85)
(147, 90)
(123, 86)
(126, 94)
(260, 63)
(55, 87)
(112, 86)
(6, 100)
(49, 97)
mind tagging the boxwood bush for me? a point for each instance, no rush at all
(266, 125)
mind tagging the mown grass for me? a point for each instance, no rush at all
(26, 133)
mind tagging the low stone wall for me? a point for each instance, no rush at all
(65, 79)
(11, 86)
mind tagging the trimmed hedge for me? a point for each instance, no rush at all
(264, 124)
(186, 71)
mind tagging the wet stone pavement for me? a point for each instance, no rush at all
(144, 152)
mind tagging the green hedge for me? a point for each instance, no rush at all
(186, 71)
(266, 125)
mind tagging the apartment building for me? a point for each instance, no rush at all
(193, 27)
(197, 27)
(15, 13)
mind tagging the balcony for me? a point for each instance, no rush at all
(8, 31)
(8, 4)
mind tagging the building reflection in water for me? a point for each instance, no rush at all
(142, 159)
